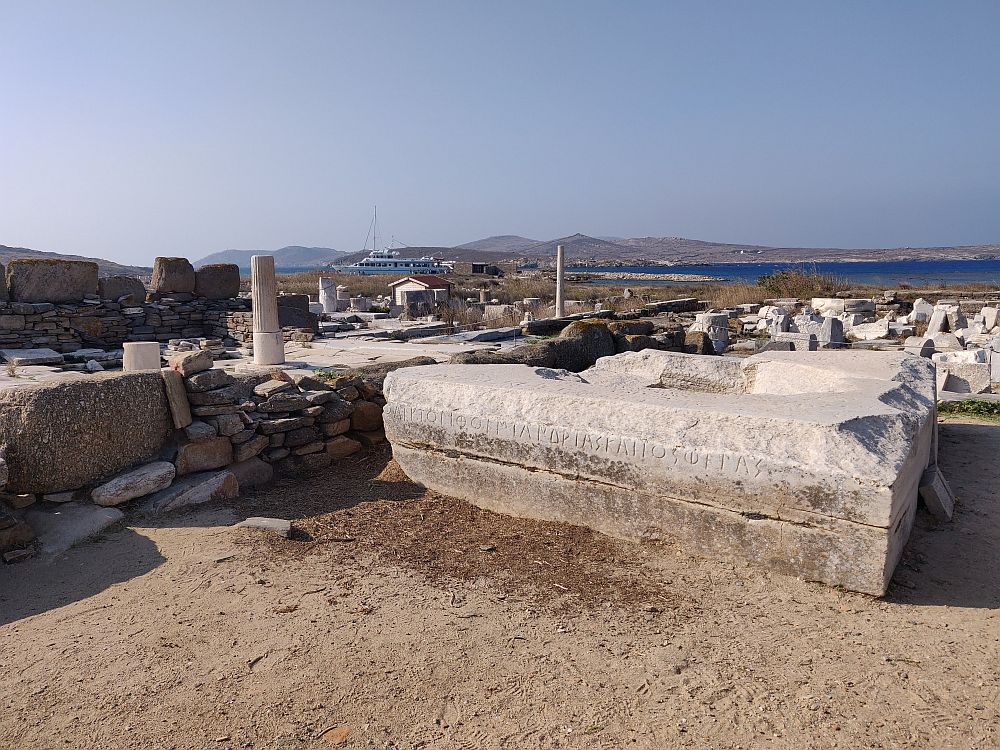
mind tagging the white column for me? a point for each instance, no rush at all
(560, 269)
(268, 345)
(140, 356)
(328, 294)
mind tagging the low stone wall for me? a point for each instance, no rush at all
(163, 440)
(66, 327)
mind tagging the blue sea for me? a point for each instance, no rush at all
(880, 273)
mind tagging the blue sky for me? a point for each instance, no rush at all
(135, 129)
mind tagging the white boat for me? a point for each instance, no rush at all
(387, 260)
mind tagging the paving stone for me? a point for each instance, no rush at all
(275, 525)
(28, 357)
(59, 527)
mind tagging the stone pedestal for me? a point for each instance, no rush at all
(560, 281)
(141, 356)
(268, 347)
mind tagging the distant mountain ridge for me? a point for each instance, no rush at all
(292, 256)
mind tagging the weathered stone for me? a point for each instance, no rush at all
(341, 447)
(218, 397)
(136, 483)
(76, 432)
(116, 287)
(214, 411)
(317, 398)
(270, 387)
(771, 461)
(252, 473)
(314, 461)
(936, 493)
(249, 449)
(278, 526)
(333, 429)
(191, 363)
(208, 380)
(283, 402)
(17, 501)
(28, 357)
(227, 424)
(698, 342)
(60, 527)
(366, 416)
(243, 436)
(966, 377)
(172, 275)
(199, 430)
(314, 447)
(307, 381)
(270, 426)
(336, 411)
(193, 490)
(37, 280)
(204, 455)
(301, 436)
(11, 322)
(217, 281)
(177, 398)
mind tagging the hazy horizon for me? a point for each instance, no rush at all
(136, 130)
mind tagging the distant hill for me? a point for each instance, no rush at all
(105, 267)
(293, 256)
(504, 243)
(444, 253)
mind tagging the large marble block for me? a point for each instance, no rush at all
(808, 463)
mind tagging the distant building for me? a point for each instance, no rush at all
(477, 269)
(425, 288)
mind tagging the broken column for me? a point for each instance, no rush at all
(560, 280)
(328, 294)
(268, 345)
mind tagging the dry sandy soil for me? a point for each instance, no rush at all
(399, 619)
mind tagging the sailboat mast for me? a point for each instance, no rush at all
(375, 230)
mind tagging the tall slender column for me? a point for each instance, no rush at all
(268, 345)
(560, 271)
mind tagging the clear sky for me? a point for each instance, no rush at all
(133, 129)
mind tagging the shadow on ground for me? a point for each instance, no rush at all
(955, 564)
(116, 555)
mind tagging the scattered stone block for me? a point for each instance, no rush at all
(936, 493)
(177, 398)
(59, 527)
(38, 280)
(140, 482)
(193, 489)
(172, 275)
(802, 342)
(204, 455)
(772, 462)
(966, 377)
(274, 525)
(921, 346)
(217, 281)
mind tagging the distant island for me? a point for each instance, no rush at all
(581, 251)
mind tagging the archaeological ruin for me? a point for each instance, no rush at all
(795, 435)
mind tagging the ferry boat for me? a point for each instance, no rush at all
(388, 261)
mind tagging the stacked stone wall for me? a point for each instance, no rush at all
(70, 326)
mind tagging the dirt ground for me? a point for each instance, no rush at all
(399, 619)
